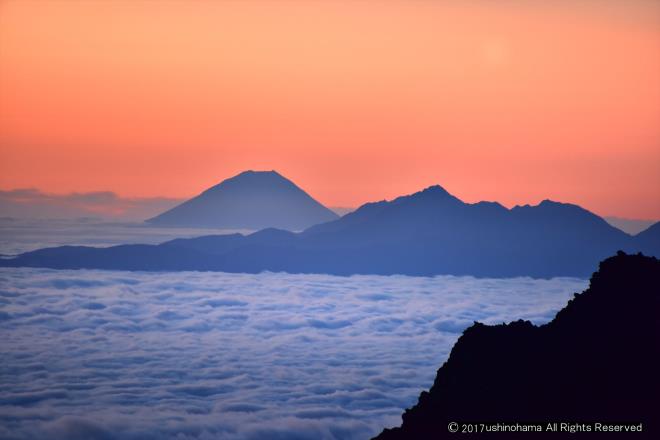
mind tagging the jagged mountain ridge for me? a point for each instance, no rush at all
(430, 232)
(597, 361)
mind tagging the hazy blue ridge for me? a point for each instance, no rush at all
(427, 233)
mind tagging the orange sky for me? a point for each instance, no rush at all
(513, 101)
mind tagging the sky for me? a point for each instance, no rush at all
(513, 101)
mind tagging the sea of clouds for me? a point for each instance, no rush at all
(24, 235)
(190, 355)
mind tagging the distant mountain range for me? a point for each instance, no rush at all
(597, 361)
(427, 233)
(250, 200)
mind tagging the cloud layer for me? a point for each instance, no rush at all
(25, 235)
(32, 203)
(106, 355)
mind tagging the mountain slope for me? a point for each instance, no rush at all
(433, 232)
(648, 241)
(427, 233)
(597, 361)
(250, 200)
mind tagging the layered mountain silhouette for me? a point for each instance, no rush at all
(597, 361)
(427, 233)
(250, 200)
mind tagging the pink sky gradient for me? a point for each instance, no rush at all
(514, 101)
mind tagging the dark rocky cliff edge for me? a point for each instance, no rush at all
(597, 361)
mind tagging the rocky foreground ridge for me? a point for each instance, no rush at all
(597, 361)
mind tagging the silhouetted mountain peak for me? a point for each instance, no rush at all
(434, 192)
(255, 180)
(249, 200)
(431, 197)
(552, 204)
(548, 205)
(269, 175)
(565, 214)
(492, 206)
(256, 172)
